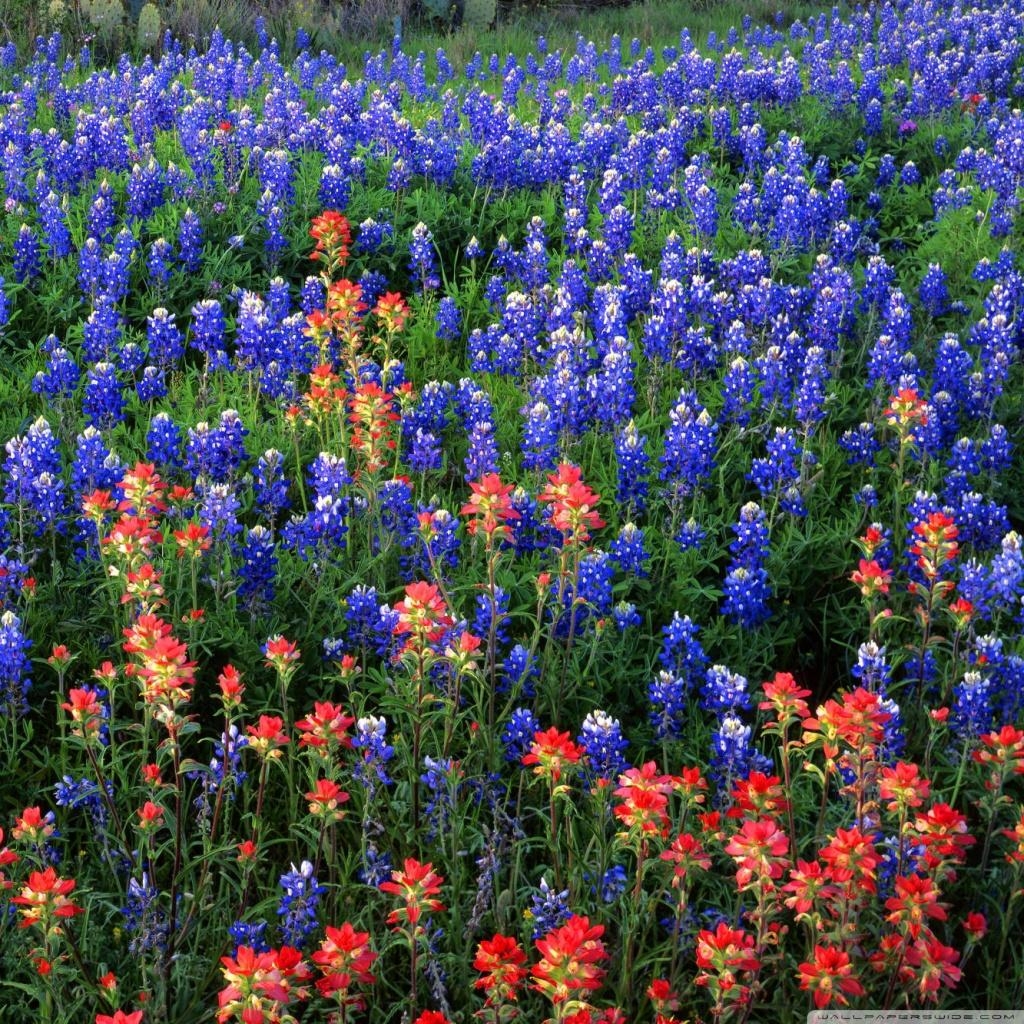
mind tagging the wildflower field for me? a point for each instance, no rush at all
(528, 539)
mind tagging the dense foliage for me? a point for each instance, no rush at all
(530, 538)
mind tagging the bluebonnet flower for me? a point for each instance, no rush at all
(61, 376)
(548, 909)
(628, 550)
(733, 756)
(691, 535)
(626, 616)
(190, 242)
(258, 569)
(517, 736)
(163, 442)
(482, 456)
(165, 343)
(441, 782)
(449, 320)
(370, 740)
(103, 402)
(690, 445)
(218, 511)
(602, 740)
(425, 452)
(298, 906)
(152, 385)
(613, 883)
(270, 488)
(55, 226)
(13, 574)
(422, 259)
(746, 587)
(724, 691)
(208, 333)
(144, 917)
(83, 794)
(934, 292)
(160, 260)
(251, 934)
(26, 255)
(540, 437)
(376, 866)
(972, 707)
(519, 670)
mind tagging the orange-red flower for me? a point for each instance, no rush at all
(325, 800)
(344, 959)
(267, 737)
(119, 1017)
(418, 885)
(490, 507)
(573, 504)
(550, 751)
(686, 854)
(644, 794)
(722, 954)
(829, 976)
(260, 985)
(851, 858)
(391, 309)
(325, 729)
(422, 614)
(86, 711)
(333, 237)
(871, 578)
(916, 899)
(570, 959)
(759, 850)
(46, 901)
(903, 786)
(500, 960)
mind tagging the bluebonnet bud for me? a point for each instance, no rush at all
(422, 259)
(298, 906)
(15, 667)
(103, 402)
(517, 736)
(602, 740)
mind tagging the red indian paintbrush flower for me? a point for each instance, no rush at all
(325, 800)
(333, 237)
(490, 505)
(644, 794)
(916, 899)
(686, 854)
(570, 959)
(723, 953)
(871, 578)
(391, 309)
(260, 985)
(573, 504)
(86, 711)
(45, 901)
(326, 728)
(759, 850)
(119, 1017)
(903, 786)
(851, 858)
(500, 960)
(422, 614)
(344, 959)
(267, 737)
(550, 751)
(829, 976)
(417, 884)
